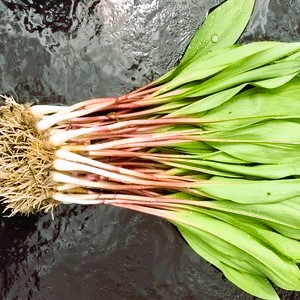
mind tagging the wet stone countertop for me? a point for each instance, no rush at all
(66, 51)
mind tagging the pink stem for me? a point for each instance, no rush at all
(145, 139)
(120, 198)
(150, 211)
(143, 92)
(139, 113)
(167, 142)
(124, 153)
(145, 87)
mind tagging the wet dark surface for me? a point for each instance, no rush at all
(66, 51)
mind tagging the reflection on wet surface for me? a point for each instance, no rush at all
(66, 51)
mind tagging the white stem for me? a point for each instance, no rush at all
(46, 109)
(82, 199)
(59, 138)
(55, 130)
(63, 154)
(59, 177)
(90, 196)
(64, 165)
(147, 138)
(67, 186)
(49, 121)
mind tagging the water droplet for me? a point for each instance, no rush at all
(215, 38)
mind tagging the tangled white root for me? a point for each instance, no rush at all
(26, 158)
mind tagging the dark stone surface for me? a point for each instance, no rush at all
(66, 51)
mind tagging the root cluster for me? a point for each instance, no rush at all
(26, 158)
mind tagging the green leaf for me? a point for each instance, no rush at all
(188, 165)
(273, 131)
(214, 62)
(267, 171)
(207, 103)
(274, 82)
(252, 283)
(282, 216)
(281, 271)
(217, 252)
(286, 246)
(267, 64)
(266, 142)
(252, 106)
(221, 28)
(250, 191)
(220, 157)
(227, 80)
(260, 153)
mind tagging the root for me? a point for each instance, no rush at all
(26, 159)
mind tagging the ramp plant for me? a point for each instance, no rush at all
(213, 146)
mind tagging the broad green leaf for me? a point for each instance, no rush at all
(216, 32)
(221, 28)
(264, 65)
(211, 155)
(251, 108)
(274, 131)
(281, 271)
(286, 246)
(217, 252)
(220, 157)
(197, 168)
(274, 82)
(266, 142)
(269, 56)
(221, 251)
(282, 216)
(253, 284)
(223, 81)
(260, 153)
(214, 62)
(267, 171)
(207, 103)
(251, 191)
